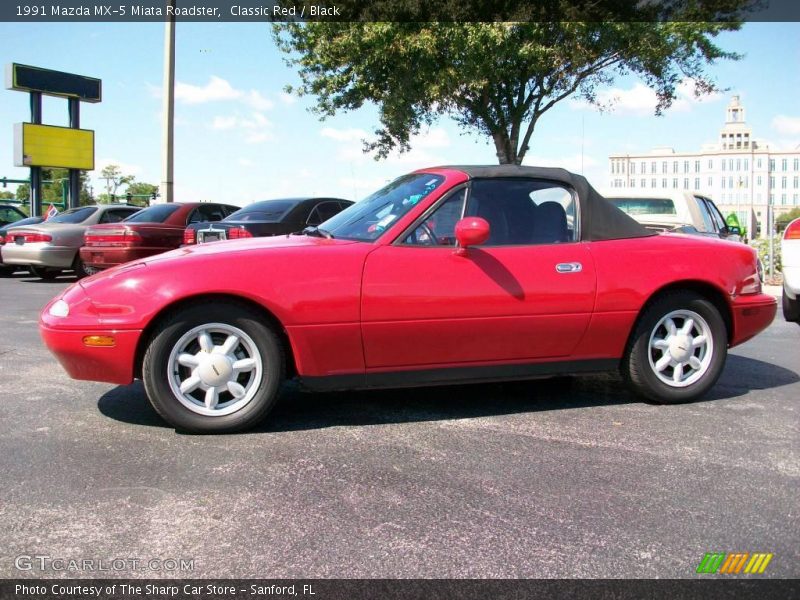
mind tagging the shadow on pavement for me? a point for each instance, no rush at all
(297, 410)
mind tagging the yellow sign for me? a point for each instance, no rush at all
(49, 146)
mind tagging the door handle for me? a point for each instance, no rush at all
(574, 267)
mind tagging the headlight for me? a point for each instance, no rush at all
(59, 308)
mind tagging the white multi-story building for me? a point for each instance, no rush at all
(741, 174)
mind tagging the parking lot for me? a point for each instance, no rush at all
(551, 478)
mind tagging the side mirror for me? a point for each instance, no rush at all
(471, 231)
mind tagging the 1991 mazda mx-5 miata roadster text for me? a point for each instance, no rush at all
(449, 274)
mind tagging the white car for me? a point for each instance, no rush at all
(678, 211)
(790, 253)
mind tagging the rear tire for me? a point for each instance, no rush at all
(80, 269)
(791, 308)
(678, 349)
(44, 273)
(213, 368)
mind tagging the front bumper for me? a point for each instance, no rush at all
(752, 314)
(111, 364)
(38, 255)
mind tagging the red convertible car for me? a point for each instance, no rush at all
(449, 274)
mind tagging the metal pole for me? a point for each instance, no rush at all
(36, 172)
(770, 227)
(74, 174)
(169, 108)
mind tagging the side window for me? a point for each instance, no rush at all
(322, 212)
(438, 228)
(195, 217)
(115, 216)
(708, 223)
(524, 211)
(716, 216)
(211, 212)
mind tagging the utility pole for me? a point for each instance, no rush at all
(168, 139)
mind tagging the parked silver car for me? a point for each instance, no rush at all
(53, 246)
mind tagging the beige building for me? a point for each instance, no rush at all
(740, 173)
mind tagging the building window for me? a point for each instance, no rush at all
(795, 182)
(633, 168)
(783, 198)
(664, 183)
(783, 182)
(653, 182)
(686, 183)
(738, 164)
(730, 181)
(675, 183)
(644, 167)
(697, 183)
(653, 168)
(664, 168)
(785, 164)
(794, 199)
(697, 166)
(796, 164)
(758, 181)
(723, 183)
(771, 164)
(746, 164)
(644, 183)
(633, 183)
(746, 181)
(771, 182)
(723, 164)
(674, 166)
(710, 182)
(759, 163)
(710, 164)
(730, 164)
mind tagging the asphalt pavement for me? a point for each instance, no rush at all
(551, 478)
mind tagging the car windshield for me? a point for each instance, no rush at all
(645, 206)
(367, 220)
(73, 215)
(267, 210)
(21, 222)
(154, 214)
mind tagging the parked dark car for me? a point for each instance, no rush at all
(266, 218)
(6, 269)
(151, 231)
(10, 214)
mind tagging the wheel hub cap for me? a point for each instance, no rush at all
(215, 369)
(680, 348)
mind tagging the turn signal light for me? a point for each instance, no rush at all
(99, 340)
(237, 233)
(188, 236)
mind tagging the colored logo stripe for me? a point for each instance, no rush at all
(734, 562)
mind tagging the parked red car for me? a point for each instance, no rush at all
(451, 274)
(150, 231)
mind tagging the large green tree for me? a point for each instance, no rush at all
(499, 79)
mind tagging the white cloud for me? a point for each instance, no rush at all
(436, 137)
(216, 89)
(351, 148)
(126, 168)
(255, 100)
(642, 100)
(786, 125)
(246, 162)
(255, 127)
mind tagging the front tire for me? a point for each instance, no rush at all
(213, 368)
(678, 350)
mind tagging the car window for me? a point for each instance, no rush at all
(266, 210)
(524, 211)
(368, 219)
(716, 216)
(74, 215)
(645, 206)
(154, 214)
(439, 227)
(322, 212)
(9, 215)
(115, 215)
(211, 212)
(708, 223)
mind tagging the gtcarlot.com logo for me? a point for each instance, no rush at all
(42, 562)
(734, 563)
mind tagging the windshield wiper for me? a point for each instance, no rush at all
(317, 232)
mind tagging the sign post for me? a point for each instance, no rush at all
(37, 145)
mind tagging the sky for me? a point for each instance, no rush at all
(240, 138)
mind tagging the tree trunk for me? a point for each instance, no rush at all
(506, 154)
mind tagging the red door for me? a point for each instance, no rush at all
(428, 306)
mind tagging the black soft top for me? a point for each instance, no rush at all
(600, 219)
